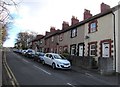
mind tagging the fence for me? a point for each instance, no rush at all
(84, 62)
(106, 65)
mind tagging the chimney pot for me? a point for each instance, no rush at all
(87, 14)
(52, 29)
(65, 25)
(104, 7)
(74, 20)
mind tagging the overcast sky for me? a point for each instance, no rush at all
(40, 15)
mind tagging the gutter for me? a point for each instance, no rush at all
(114, 39)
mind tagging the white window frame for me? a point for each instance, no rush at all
(93, 27)
(74, 32)
(91, 49)
(52, 39)
(60, 37)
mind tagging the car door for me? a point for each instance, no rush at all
(46, 58)
(49, 59)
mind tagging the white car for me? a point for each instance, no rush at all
(24, 51)
(56, 61)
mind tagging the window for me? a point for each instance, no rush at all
(51, 49)
(60, 37)
(60, 49)
(73, 33)
(93, 49)
(52, 39)
(73, 49)
(65, 49)
(93, 26)
(40, 41)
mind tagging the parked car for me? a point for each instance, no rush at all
(23, 52)
(30, 53)
(39, 56)
(56, 61)
(16, 50)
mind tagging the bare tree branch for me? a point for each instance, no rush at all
(5, 15)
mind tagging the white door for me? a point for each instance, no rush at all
(105, 50)
(81, 50)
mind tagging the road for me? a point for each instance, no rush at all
(29, 72)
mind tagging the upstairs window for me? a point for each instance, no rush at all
(93, 26)
(73, 33)
(52, 39)
(60, 37)
(40, 42)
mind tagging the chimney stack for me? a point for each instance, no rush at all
(65, 25)
(74, 20)
(104, 7)
(52, 29)
(87, 14)
(47, 33)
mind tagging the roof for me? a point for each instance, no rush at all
(38, 38)
(90, 19)
(82, 22)
(52, 34)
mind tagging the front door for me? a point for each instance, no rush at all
(105, 50)
(81, 50)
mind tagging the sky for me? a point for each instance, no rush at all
(39, 15)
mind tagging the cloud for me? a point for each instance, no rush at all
(39, 15)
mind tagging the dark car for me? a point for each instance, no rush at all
(30, 53)
(39, 56)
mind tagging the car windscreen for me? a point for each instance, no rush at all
(29, 50)
(58, 56)
(41, 54)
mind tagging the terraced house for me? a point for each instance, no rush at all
(96, 36)
(71, 38)
(38, 43)
(51, 40)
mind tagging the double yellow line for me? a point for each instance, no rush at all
(9, 72)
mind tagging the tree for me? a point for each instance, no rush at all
(5, 17)
(24, 38)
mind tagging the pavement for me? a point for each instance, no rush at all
(0, 67)
(113, 79)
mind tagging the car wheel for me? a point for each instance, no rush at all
(43, 62)
(53, 66)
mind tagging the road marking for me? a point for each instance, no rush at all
(9, 72)
(71, 84)
(42, 69)
(25, 60)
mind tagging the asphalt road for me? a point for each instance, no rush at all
(29, 72)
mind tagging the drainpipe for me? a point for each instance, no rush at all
(114, 39)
